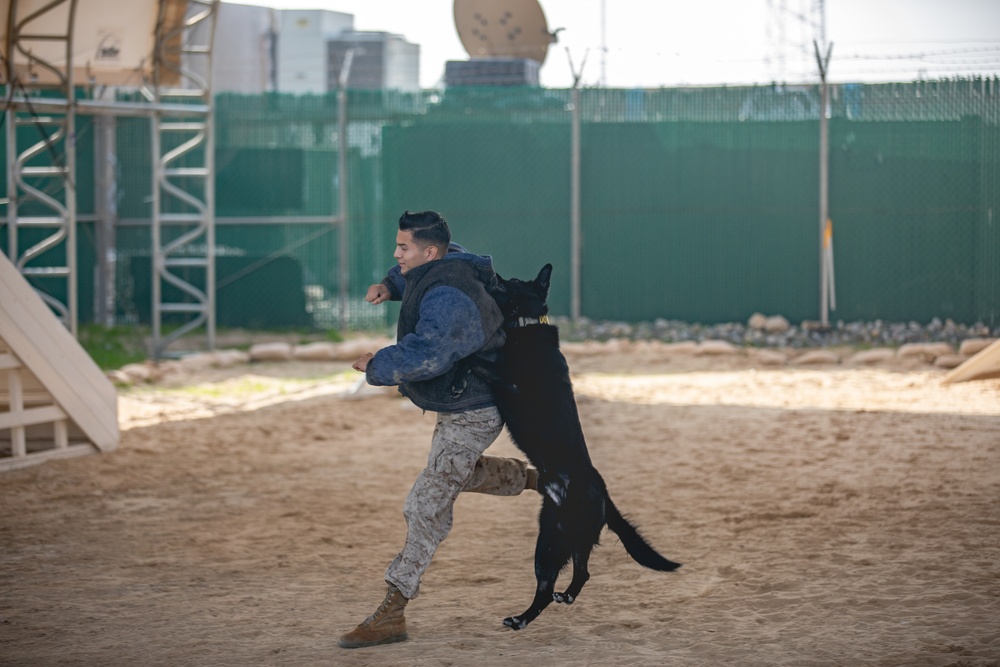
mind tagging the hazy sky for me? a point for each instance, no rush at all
(652, 43)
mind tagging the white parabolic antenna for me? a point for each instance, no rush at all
(112, 40)
(503, 29)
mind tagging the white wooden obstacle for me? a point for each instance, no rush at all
(985, 364)
(54, 400)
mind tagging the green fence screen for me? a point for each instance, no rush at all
(697, 204)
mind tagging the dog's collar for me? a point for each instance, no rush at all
(525, 321)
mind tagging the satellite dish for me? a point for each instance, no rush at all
(503, 29)
(113, 40)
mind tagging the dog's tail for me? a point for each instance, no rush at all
(635, 544)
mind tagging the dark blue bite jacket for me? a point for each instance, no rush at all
(446, 315)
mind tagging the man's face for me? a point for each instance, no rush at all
(410, 254)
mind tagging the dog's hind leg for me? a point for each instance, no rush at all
(545, 575)
(581, 575)
(552, 552)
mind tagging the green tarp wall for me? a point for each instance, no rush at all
(697, 204)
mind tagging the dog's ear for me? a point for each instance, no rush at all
(544, 278)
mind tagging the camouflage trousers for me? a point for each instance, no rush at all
(455, 464)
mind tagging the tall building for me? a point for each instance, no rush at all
(243, 55)
(301, 51)
(302, 47)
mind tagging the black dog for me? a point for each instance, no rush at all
(535, 397)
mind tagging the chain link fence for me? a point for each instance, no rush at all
(697, 204)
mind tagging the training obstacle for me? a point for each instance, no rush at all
(54, 400)
(981, 366)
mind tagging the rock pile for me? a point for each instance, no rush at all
(776, 331)
(769, 340)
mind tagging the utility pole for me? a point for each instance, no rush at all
(604, 44)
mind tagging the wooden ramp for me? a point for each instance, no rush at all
(54, 400)
(984, 365)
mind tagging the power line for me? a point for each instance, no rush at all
(926, 54)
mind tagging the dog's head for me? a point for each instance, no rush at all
(523, 299)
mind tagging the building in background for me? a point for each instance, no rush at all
(492, 72)
(382, 61)
(302, 47)
(301, 51)
(244, 53)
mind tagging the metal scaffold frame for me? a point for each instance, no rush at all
(41, 193)
(183, 141)
(41, 184)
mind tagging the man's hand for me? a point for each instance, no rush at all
(362, 363)
(377, 294)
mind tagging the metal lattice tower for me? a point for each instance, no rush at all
(792, 26)
(41, 95)
(183, 234)
(41, 164)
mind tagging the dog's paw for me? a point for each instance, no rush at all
(514, 623)
(458, 388)
(563, 598)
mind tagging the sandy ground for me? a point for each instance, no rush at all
(825, 516)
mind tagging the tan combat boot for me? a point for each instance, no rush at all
(385, 626)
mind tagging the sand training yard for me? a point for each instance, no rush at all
(831, 515)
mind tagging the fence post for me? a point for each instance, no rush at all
(575, 239)
(106, 208)
(825, 226)
(343, 269)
